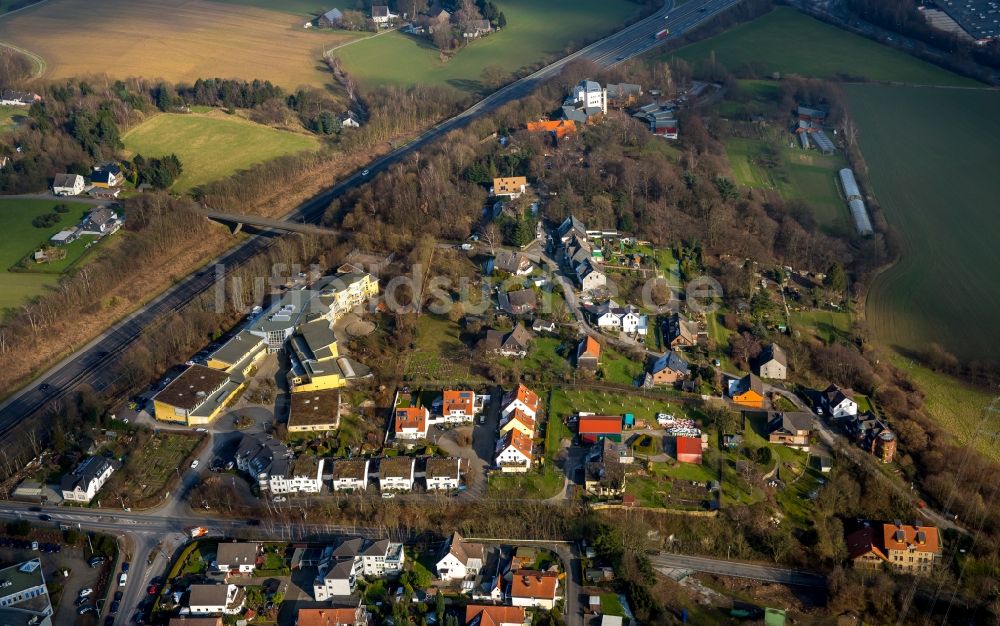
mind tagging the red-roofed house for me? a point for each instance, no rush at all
(332, 617)
(588, 354)
(534, 589)
(521, 397)
(488, 615)
(458, 406)
(514, 452)
(593, 428)
(411, 422)
(518, 420)
(688, 449)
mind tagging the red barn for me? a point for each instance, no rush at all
(593, 428)
(688, 449)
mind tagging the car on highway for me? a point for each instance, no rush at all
(45, 517)
(152, 590)
(364, 172)
(194, 464)
(44, 387)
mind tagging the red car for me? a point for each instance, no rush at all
(152, 590)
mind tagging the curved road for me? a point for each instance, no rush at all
(93, 364)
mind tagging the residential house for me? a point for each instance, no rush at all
(514, 452)
(732, 441)
(184, 620)
(747, 391)
(518, 420)
(510, 187)
(100, 193)
(661, 119)
(381, 14)
(349, 119)
(791, 428)
(261, 456)
(571, 228)
(442, 474)
(458, 405)
(11, 97)
(436, 19)
(534, 589)
(587, 102)
(300, 475)
(331, 19)
(838, 403)
(396, 473)
(325, 616)
(336, 576)
(909, 549)
(557, 129)
(872, 434)
(350, 474)
(543, 326)
(196, 397)
(68, 185)
(382, 558)
(522, 398)
(519, 302)
(589, 277)
(107, 176)
(628, 320)
(213, 599)
(593, 428)
(681, 333)
(461, 559)
(688, 449)
(100, 221)
(514, 344)
(237, 557)
(490, 615)
(411, 422)
(314, 411)
(605, 477)
(514, 263)
(588, 354)
(623, 95)
(83, 483)
(668, 369)
(772, 363)
(477, 28)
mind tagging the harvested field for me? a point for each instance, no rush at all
(177, 40)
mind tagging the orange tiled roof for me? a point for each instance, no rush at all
(522, 417)
(591, 348)
(411, 417)
(327, 617)
(528, 397)
(533, 584)
(560, 127)
(462, 401)
(861, 542)
(521, 442)
(926, 542)
(509, 184)
(494, 615)
(600, 424)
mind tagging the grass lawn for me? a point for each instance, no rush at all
(20, 238)
(440, 354)
(803, 174)
(958, 407)
(536, 30)
(212, 146)
(618, 368)
(826, 325)
(535, 484)
(776, 41)
(936, 182)
(565, 402)
(611, 605)
(9, 116)
(181, 40)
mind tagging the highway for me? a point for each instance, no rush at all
(721, 567)
(93, 365)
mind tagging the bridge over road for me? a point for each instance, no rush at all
(767, 573)
(238, 221)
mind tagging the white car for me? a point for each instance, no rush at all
(280, 499)
(86, 591)
(194, 464)
(201, 430)
(122, 579)
(388, 495)
(364, 172)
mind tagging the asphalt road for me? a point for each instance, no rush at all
(722, 567)
(93, 364)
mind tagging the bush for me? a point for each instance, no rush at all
(45, 221)
(61, 208)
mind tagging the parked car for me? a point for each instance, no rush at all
(194, 464)
(86, 591)
(125, 566)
